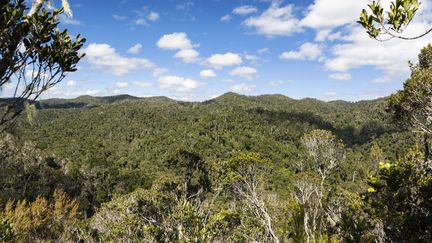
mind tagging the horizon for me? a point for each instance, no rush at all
(202, 101)
(192, 50)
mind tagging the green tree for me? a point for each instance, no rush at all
(412, 106)
(244, 175)
(35, 53)
(324, 153)
(385, 26)
(401, 196)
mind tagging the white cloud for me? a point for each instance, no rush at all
(244, 72)
(135, 49)
(141, 21)
(226, 18)
(153, 16)
(307, 51)
(119, 17)
(276, 83)
(175, 41)
(70, 21)
(263, 50)
(122, 85)
(103, 56)
(358, 50)
(159, 71)
(179, 41)
(227, 80)
(245, 10)
(91, 92)
(243, 88)
(142, 84)
(9, 86)
(224, 60)
(178, 84)
(71, 83)
(331, 94)
(341, 76)
(188, 55)
(327, 14)
(251, 58)
(275, 21)
(208, 73)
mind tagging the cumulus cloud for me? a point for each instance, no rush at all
(245, 10)
(276, 83)
(341, 76)
(188, 55)
(153, 16)
(159, 71)
(277, 20)
(135, 49)
(178, 84)
(244, 72)
(263, 50)
(122, 85)
(71, 83)
(307, 51)
(179, 41)
(141, 21)
(224, 60)
(119, 17)
(330, 94)
(358, 50)
(103, 56)
(142, 84)
(226, 18)
(354, 48)
(243, 88)
(251, 58)
(175, 41)
(327, 14)
(208, 73)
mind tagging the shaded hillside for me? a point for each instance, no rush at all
(136, 130)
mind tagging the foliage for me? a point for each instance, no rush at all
(41, 220)
(225, 170)
(33, 44)
(392, 23)
(401, 195)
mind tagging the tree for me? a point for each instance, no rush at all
(35, 54)
(398, 18)
(243, 173)
(400, 194)
(42, 220)
(324, 153)
(412, 106)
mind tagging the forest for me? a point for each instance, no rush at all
(234, 168)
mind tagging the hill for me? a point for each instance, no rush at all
(101, 148)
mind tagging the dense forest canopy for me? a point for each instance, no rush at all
(234, 168)
(107, 151)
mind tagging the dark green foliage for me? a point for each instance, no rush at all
(32, 43)
(390, 24)
(401, 195)
(27, 173)
(180, 164)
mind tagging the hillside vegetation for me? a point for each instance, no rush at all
(164, 170)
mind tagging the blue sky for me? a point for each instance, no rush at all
(199, 49)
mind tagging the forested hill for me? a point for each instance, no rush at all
(226, 123)
(101, 150)
(354, 122)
